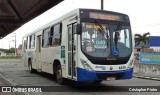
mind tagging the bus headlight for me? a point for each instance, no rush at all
(130, 64)
(86, 65)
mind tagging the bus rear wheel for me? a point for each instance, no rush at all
(59, 78)
(31, 70)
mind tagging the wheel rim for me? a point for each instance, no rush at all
(59, 75)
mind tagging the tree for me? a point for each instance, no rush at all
(20, 46)
(142, 40)
(11, 50)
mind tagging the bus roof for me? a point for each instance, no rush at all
(69, 14)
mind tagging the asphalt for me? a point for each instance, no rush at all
(5, 82)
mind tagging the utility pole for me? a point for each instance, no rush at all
(101, 4)
(15, 43)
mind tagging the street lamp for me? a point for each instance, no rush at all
(15, 43)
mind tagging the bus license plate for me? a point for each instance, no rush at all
(111, 78)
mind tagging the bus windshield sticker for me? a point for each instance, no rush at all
(101, 44)
(89, 47)
(115, 52)
(62, 51)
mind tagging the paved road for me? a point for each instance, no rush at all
(15, 73)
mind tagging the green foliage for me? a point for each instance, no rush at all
(10, 57)
(11, 50)
(20, 46)
(142, 39)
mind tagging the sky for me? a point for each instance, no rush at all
(144, 16)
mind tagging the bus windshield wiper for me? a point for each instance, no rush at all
(102, 30)
(116, 34)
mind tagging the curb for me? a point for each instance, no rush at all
(146, 77)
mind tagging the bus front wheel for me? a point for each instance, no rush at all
(97, 81)
(59, 78)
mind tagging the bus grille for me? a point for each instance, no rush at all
(104, 76)
(108, 62)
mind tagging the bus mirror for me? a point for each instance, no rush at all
(78, 30)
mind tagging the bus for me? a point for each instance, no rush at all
(84, 45)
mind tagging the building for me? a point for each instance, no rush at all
(155, 42)
(2, 53)
(152, 46)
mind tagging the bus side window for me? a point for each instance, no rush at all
(30, 37)
(56, 35)
(46, 37)
(33, 41)
(27, 43)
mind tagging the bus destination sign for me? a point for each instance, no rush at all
(90, 26)
(104, 16)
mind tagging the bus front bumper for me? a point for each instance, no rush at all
(85, 75)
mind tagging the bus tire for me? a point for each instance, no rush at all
(97, 81)
(59, 78)
(31, 70)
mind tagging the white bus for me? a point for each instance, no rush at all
(83, 45)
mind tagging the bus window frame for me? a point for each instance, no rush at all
(32, 41)
(48, 31)
(59, 34)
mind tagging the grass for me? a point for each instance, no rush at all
(10, 57)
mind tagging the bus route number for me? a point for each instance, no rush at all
(100, 44)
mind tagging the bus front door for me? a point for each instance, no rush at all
(38, 53)
(72, 51)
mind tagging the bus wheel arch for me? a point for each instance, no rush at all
(55, 64)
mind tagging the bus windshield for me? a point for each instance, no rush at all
(106, 40)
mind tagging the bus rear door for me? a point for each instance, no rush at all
(38, 53)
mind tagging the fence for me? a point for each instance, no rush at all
(147, 64)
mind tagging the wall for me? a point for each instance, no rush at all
(146, 69)
(148, 64)
(2, 53)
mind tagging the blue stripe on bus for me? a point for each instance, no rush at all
(85, 75)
